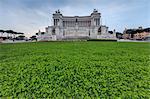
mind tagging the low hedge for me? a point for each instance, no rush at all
(102, 40)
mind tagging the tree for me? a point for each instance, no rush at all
(42, 33)
(111, 32)
(36, 34)
(119, 35)
(33, 37)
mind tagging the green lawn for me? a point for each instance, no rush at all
(75, 69)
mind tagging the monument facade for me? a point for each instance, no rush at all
(77, 27)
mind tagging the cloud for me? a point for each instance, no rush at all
(31, 15)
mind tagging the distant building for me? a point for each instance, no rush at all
(136, 34)
(10, 34)
(77, 27)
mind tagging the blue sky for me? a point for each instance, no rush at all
(29, 16)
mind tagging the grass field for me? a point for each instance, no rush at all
(75, 69)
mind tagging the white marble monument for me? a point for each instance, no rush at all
(77, 27)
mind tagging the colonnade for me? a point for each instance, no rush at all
(97, 21)
(74, 23)
(56, 22)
